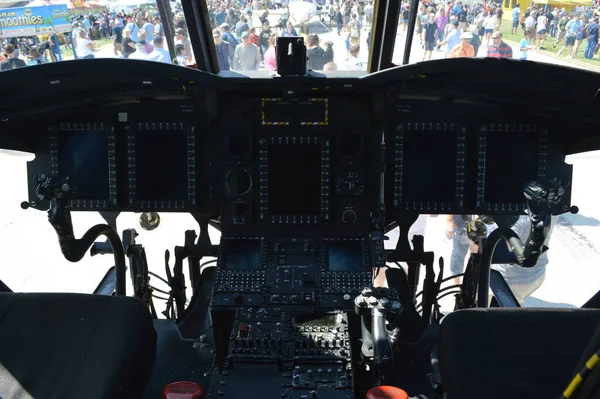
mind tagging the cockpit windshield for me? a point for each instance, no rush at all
(44, 31)
(339, 35)
(560, 32)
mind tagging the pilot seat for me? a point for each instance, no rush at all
(513, 353)
(74, 346)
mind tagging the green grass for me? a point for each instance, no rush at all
(506, 28)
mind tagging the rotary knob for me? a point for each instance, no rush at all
(349, 216)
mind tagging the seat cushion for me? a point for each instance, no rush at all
(74, 346)
(512, 353)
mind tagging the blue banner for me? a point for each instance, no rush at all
(32, 21)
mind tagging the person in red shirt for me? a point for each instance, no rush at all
(254, 37)
(499, 49)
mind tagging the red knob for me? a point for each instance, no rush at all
(386, 392)
(183, 390)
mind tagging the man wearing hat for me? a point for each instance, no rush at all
(181, 37)
(223, 50)
(249, 20)
(464, 49)
(247, 55)
(226, 36)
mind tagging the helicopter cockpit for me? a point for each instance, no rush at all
(305, 174)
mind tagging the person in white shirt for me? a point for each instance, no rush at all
(369, 13)
(352, 62)
(159, 54)
(158, 29)
(530, 24)
(524, 281)
(85, 48)
(489, 24)
(74, 36)
(140, 51)
(249, 19)
(542, 30)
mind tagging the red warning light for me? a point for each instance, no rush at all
(386, 392)
(183, 390)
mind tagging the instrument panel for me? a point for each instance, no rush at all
(298, 158)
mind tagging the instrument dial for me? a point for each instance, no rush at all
(350, 182)
(239, 182)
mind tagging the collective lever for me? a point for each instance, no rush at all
(59, 192)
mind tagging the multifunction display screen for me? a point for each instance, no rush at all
(294, 179)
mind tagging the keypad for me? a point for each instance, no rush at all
(345, 282)
(247, 281)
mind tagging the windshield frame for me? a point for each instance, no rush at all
(385, 22)
(200, 34)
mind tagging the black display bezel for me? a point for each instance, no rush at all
(339, 141)
(324, 215)
(56, 133)
(398, 177)
(482, 204)
(132, 136)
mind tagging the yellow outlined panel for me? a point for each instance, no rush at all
(276, 111)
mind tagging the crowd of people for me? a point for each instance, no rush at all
(136, 35)
(463, 28)
(245, 34)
